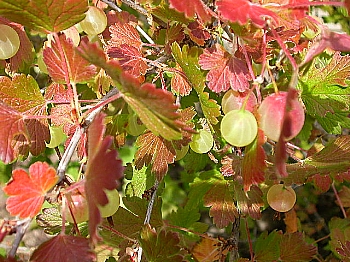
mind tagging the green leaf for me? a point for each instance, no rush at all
(160, 245)
(210, 107)
(44, 15)
(340, 233)
(332, 159)
(141, 181)
(326, 95)
(155, 107)
(267, 246)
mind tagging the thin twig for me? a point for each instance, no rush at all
(21, 228)
(339, 200)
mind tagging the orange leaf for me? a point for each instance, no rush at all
(27, 191)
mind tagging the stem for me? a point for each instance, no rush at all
(249, 240)
(339, 200)
(21, 228)
(118, 233)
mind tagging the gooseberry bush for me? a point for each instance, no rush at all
(171, 130)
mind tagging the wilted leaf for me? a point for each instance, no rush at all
(23, 94)
(220, 199)
(226, 71)
(103, 171)
(161, 246)
(27, 191)
(154, 150)
(63, 62)
(192, 8)
(64, 249)
(242, 11)
(44, 15)
(295, 248)
(253, 165)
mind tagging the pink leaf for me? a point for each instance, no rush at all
(27, 191)
(225, 72)
(242, 10)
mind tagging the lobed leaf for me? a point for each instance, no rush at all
(179, 83)
(27, 191)
(249, 202)
(103, 171)
(64, 248)
(63, 62)
(267, 246)
(160, 245)
(295, 248)
(226, 71)
(44, 15)
(208, 250)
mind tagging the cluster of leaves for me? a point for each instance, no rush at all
(129, 100)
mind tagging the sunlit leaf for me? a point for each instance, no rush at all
(210, 107)
(44, 15)
(103, 171)
(124, 34)
(242, 11)
(63, 62)
(22, 93)
(249, 202)
(197, 33)
(179, 84)
(192, 8)
(160, 245)
(226, 71)
(207, 250)
(64, 248)
(27, 191)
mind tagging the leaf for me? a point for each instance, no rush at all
(64, 248)
(14, 141)
(242, 11)
(294, 248)
(253, 165)
(130, 58)
(210, 108)
(339, 234)
(63, 62)
(124, 34)
(160, 245)
(322, 182)
(291, 220)
(24, 56)
(155, 107)
(27, 191)
(23, 94)
(179, 83)
(173, 34)
(154, 150)
(328, 39)
(226, 71)
(192, 8)
(267, 247)
(344, 195)
(344, 250)
(324, 99)
(197, 33)
(207, 250)
(249, 202)
(103, 171)
(44, 15)
(220, 199)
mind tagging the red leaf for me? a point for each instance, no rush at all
(242, 10)
(14, 137)
(179, 83)
(249, 202)
(154, 150)
(63, 62)
(322, 182)
(124, 33)
(173, 34)
(24, 55)
(27, 191)
(253, 166)
(130, 58)
(23, 94)
(192, 8)
(328, 39)
(225, 72)
(103, 171)
(220, 199)
(295, 248)
(64, 248)
(197, 33)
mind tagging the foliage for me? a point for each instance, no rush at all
(140, 108)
